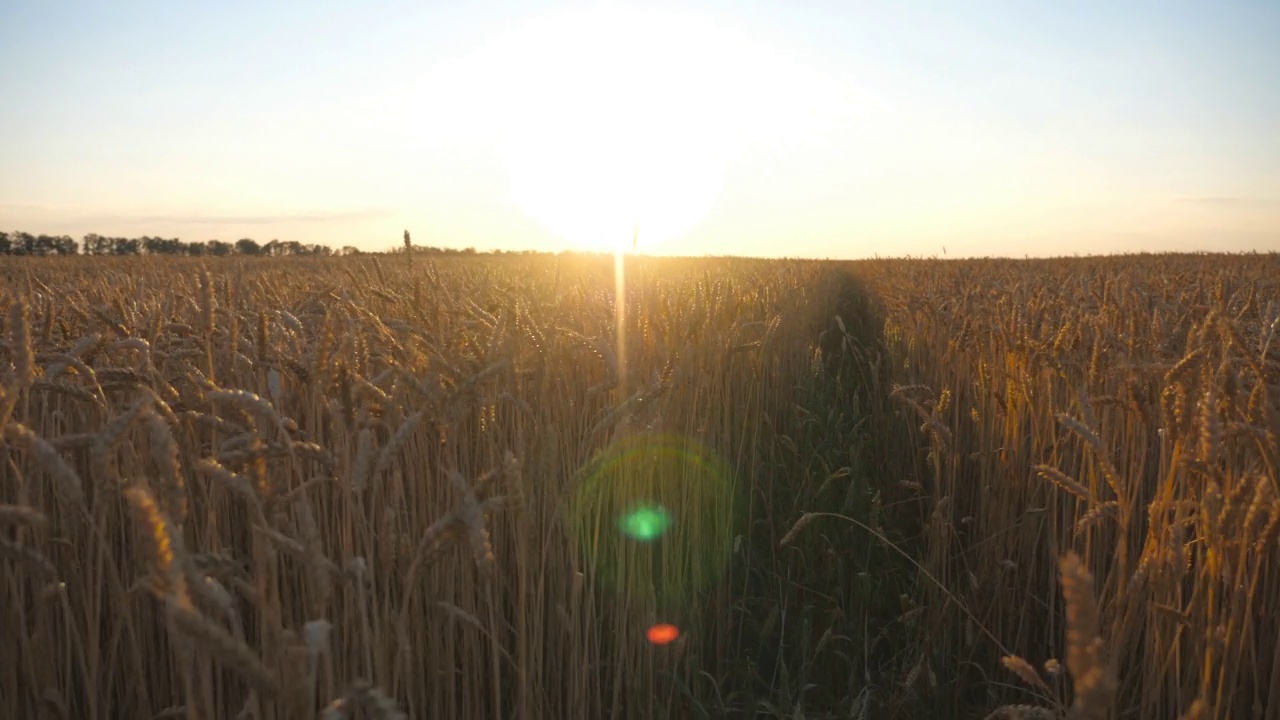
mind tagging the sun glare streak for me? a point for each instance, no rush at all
(620, 318)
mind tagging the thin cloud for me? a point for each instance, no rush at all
(1239, 201)
(302, 217)
(65, 216)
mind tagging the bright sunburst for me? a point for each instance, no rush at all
(619, 124)
(611, 117)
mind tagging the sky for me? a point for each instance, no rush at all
(800, 129)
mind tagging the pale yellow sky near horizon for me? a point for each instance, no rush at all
(726, 129)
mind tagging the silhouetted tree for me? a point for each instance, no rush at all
(219, 248)
(95, 244)
(65, 245)
(162, 246)
(24, 244)
(248, 246)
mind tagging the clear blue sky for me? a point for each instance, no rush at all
(835, 129)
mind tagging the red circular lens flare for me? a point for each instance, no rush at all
(663, 634)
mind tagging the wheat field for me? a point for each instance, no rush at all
(387, 486)
(1121, 414)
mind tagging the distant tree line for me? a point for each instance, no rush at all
(23, 243)
(429, 250)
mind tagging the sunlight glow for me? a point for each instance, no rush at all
(610, 117)
(616, 131)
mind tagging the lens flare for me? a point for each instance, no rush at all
(655, 516)
(645, 523)
(663, 634)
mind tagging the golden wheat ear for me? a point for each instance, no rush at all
(162, 546)
(1095, 686)
(24, 360)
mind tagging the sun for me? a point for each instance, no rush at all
(620, 126)
(607, 119)
(612, 122)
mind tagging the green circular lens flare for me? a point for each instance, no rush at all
(654, 517)
(645, 523)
